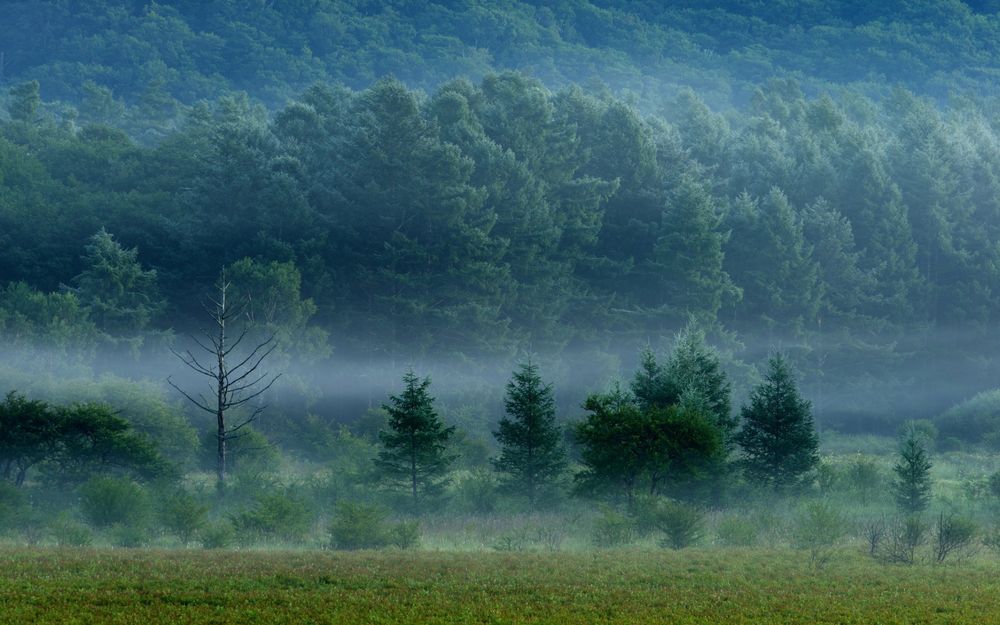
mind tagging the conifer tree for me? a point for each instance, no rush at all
(414, 449)
(778, 440)
(531, 456)
(693, 373)
(121, 297)
(912, 484)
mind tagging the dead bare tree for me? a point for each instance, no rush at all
(232, 385)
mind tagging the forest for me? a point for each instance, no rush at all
(501, 277)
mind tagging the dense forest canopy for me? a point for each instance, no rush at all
(819, 177)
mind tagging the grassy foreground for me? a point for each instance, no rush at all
(718, 586)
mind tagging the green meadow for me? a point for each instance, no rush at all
(717, 586)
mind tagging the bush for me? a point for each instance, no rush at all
(477, 492)
(680, 523)
(903, 538)
(874, 532)
(953, 534)
(128, 536)
(818, 530)
(69, 532)
(359, 526)
(183, 516)
(864, 479)
(976, 419)
(107, 501)
(736, 532)
(405, 535)
(273, 516)
(612, 529)
(13, 506)
(993, 487)
(217, 535)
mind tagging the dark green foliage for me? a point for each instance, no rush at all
(119, 296)
(359, 526)
(72, 443)
(28, 435)
(14, 506)
(626, 450)
(108, 501)
(531, 454)
(218, 535)
(612, 529)
(68, 532)
(414, 455)
(778, 440)
(912, 483)
(183, 515)
(285, 517)
(92, 439)
(692, 377)
(477, 492)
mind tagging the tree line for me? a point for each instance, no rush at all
(486, 218)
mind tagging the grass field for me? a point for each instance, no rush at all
(694, 586)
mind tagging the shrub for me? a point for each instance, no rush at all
(217, 535)
(183, 516)
(612, 529)
(736, 532)
(953, 534)
(874, 531)
(864, 479)
(973, 420)
(680, 523)
(477, 492)
(358, 526)
(405, 535)
(69, 532)
(13, 506)
(273, 516)
(993, 486)
(107, 501)
(903, 538)
(128, 536)
(991, 539)
(644, 512)
(818, 530)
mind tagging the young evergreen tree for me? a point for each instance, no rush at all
(414, 449)
(778, 440)
(531, 456)
(692, 373)
(912, 485)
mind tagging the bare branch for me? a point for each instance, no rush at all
(255, 394)
(189, 398)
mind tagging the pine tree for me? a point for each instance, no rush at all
(692, 373)
(531, 456)
(695, 372)
(778, 440)
(414, 448)
(912, 486)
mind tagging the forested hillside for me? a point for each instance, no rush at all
(755, 174)
(159, 57)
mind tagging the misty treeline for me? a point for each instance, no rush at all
(485, 220)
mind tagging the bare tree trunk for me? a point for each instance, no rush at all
(235, 384)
